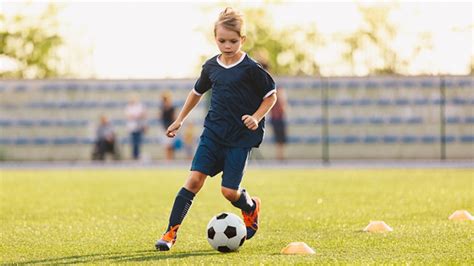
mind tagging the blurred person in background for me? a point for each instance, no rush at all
(105, 140)
(189, 141)
(167, 115)
(278, 119)
(136, 124)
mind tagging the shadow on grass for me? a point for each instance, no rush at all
(125, 256)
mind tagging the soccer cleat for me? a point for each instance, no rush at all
(251, 219)
(168, 239)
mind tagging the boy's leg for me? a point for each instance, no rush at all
(205, 162)
(250, 207)
(239, 198)
(182, 203)
(234, 166)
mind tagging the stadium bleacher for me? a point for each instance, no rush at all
(366, 118)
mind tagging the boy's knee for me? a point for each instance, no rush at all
(195, 181)
(230, 194)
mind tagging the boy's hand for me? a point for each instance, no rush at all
(173, 129)
(250, 122)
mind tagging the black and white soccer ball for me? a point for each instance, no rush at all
(226, 232)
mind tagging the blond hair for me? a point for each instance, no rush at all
(232, 20)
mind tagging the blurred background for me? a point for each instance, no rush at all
(359, 80)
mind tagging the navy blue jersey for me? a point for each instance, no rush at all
(237, 90)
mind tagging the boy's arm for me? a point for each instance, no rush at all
(251, 121)
(191, 101)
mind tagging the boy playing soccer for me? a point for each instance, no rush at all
(242, 94)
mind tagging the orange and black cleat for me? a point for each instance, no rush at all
(168, 239)
(251, 219)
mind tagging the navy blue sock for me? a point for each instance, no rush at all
(181, 205)
(244, 203)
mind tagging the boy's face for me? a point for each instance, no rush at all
(228, 42)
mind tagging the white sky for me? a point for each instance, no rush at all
(162, 39)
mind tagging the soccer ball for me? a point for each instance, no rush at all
(226, 232)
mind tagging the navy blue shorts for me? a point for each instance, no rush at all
(212, 158)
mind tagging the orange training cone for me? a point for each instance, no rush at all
(461, 215)
(297, 248)
(377, 227)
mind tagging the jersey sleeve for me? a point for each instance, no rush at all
(264, 83)
(203, 83)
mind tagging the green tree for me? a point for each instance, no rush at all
(288, 51)
(372, 45)
(30, 44)
(471, 70)
(376, 34)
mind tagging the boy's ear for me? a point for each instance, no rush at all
(243, 38)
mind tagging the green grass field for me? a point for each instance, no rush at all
(115, 216)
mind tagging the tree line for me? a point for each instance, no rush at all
(29, 45)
